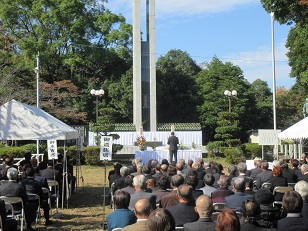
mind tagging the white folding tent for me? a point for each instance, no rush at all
(298, 131)
(19, 121)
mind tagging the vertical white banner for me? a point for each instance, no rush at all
(106, 148)
(52, 149)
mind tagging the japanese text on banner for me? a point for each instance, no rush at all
(106, 148)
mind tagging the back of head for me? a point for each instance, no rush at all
(121, 199)
(241, 167)
(165, 161)
(177, 180)
(292, 202)
(30, 171)
(302, 188)
(179, 166)
(12, 174)
(223, 181)
(251, 210)
(232, 169)
(277, 171)
(190, 162)
(304, 168)
(204, 206)
(172, 133)
(143, 208)
(139, 166)
(163, 182)
(171, 170)
(28, 156)
(139, 181)
(264, 165)
(209, 179)
(295, 163)
(227, 220)
(264, 196)
(239, 184)
(146, 169)
(124, 171)
(9, 161)
(196, 166)
(185, 192)
(161, 220)
(192, 180)
(128, 180)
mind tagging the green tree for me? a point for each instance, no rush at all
(213, 81)
(286, 12)
(176, 87)
(78, 40)
(264, 99)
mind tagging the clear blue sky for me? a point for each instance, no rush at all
(238, 31)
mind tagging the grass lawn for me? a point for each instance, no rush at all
(85, 211)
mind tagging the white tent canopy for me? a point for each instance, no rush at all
(20, 121)
(297, 131)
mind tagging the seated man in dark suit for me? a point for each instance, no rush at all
(304, 170)
(13, 189)
(263, 176)
(204, 207)
(236, 200)
(183, 212)
(292, 204)
(218, 196)
(139, 184)
(33, 186)
(171, 198)
(256, 170)
(162, 184)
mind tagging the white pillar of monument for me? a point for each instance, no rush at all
(144, 68)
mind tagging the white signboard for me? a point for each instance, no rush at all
(268, 136)
(52, 149)
(106, 148)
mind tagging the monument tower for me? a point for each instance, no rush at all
(144, 68)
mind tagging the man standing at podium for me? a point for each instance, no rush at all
(173, 142)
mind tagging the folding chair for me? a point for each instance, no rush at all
(281, 189)
(53, 184)
(17, 214)
(267, 185)
(292, 185)
(35, 198)
(218, 207)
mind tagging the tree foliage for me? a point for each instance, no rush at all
(286, 11)
(213, 81)
(176, 87)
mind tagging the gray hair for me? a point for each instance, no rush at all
(137, 160)
(124, 171)
(239, 184)
(302, 188)
(12, 174)
(304, 167)
(140, 181)
(241, 167)
(139, 165)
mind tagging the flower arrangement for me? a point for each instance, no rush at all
(141, 141)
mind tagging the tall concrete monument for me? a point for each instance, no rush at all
(144, 68)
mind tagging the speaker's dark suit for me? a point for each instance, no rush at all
(200, 225)
(183, 213)
(236, 200)
(173, 142)
(140, 194)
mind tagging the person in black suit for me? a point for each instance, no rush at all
(183, 212)
(33, 186)
(263, 176)
(120, 182)
(173, 142)
(278, 180)
(304, 170)
(13, 189)
(291, 177)
(255, 171)
(204, 207)
(236, 200)
(292, 204)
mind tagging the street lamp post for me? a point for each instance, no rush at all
(37, 72)
(230, 94)
(97, 93)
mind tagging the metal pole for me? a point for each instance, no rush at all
(96, 110)
(37, 71)
(274, 82)
(104, 199)
(229, 103)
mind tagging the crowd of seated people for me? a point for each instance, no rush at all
(190, 194)
(28, 177)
